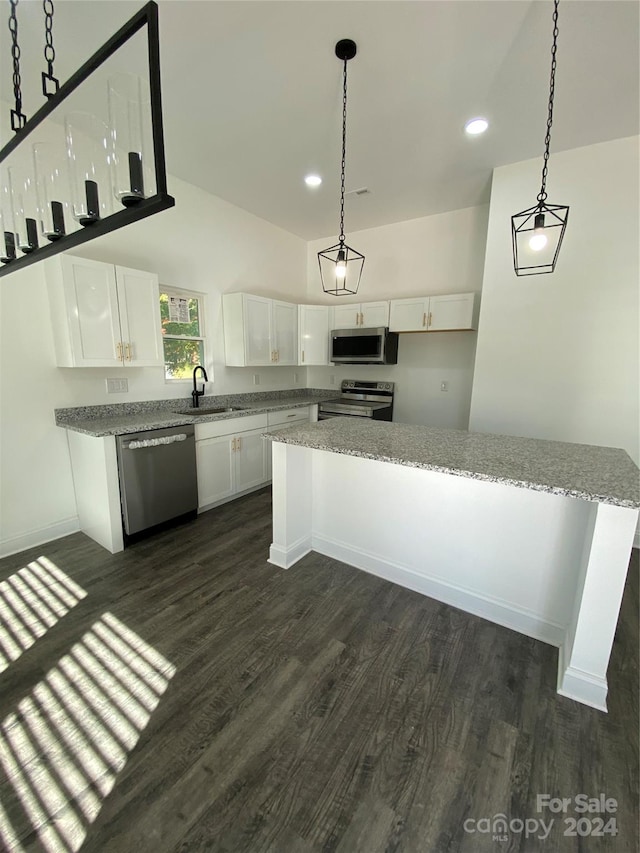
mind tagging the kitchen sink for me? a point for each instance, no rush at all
(203, 412)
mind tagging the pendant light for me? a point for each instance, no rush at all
(537, 232)
(340, 265)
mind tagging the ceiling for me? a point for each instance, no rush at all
(252, 95)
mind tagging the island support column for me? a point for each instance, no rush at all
(292, 504)
(584, 657)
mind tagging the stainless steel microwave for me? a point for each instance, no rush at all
(364, 346)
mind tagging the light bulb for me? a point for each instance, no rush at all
(313, 180)
(476, 126)
(538, 241)
(341, 269)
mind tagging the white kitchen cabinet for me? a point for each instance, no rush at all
(259, 331)
(250, 460)
(367, 315)
(446, 312)
(452, 311)
(231, 458)
(103, 315)
(313, 334)
(285, 332)
(409, 315)
(216, 470)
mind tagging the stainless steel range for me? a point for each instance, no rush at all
(360, 399)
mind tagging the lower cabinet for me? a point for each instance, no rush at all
(233, 457)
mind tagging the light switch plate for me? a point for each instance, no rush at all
(117, 386)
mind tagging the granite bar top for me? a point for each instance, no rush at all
(124, 418)
(603, 474)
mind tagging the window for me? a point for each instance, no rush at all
(181, 315)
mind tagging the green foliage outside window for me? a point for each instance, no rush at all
(182, 342)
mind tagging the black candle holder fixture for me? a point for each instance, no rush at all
(98, 203)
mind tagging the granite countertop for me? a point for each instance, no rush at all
(124, 418)
(603, 474)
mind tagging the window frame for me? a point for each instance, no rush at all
(181, 293)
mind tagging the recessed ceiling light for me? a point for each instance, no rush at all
(313, 180)
(476, 125)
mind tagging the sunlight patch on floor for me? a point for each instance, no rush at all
(65, 743)
(32, 600)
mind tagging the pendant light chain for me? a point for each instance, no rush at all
(50, 84)
(17, 118)
(344, 149)
(542, 195)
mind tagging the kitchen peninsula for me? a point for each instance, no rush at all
(533, 535)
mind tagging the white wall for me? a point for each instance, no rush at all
(434, 254)
(202, 244)
(557, 355)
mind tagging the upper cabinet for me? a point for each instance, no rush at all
(313, 337)
(259, 331)
(447, 312)
(103, 315)
(367, 315)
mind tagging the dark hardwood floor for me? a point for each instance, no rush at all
(188, 696)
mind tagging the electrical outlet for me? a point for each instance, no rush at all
(296, 377)
(256, 378)
(117, 386)
(444, 386)
(332, 379)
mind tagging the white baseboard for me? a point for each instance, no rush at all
(581, 686)
(500, 612)
(286, 557)
(42, 535)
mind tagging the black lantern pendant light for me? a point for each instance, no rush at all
(340, 265)
(537, 232)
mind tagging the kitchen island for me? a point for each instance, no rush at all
(533, 535)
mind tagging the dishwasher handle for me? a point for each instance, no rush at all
(154, 442)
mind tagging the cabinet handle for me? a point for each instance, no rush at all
(233, 445)
(239, 446)
(430, 316)
(424, 319)
(127, 349)
(277, 355)
(303, 356)
(119, 351)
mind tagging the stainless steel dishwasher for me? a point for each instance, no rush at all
(158, 481)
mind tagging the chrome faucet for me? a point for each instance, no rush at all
(195, 394)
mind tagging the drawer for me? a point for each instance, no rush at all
(230, 426)
(288, 416)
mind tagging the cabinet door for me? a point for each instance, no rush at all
(451, 311)
(215, 461)
(409, 315)
(345, 316)
(138, 300)
(285, 332)
(257, 329)
(250, 460)
(374, 314)
(91, 302)
(313, 325)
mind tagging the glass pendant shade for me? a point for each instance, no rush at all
(52, 189)
(537, 235)
(340, 269)
(87, 153)
(131, 140)
(25, 210)
(7, 230)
